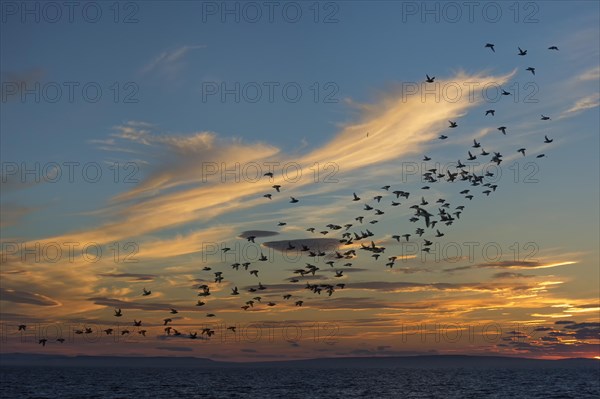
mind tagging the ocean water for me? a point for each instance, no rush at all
(103, 382)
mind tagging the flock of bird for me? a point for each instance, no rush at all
(426, 220)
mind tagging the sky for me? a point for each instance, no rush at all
(135, 139)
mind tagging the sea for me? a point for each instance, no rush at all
(263, 383)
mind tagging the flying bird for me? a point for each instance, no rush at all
(521, 51)
(490, 46)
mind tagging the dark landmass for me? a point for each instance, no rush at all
(425, 362)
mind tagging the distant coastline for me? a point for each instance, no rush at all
(425, 361)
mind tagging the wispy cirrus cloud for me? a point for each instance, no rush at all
(592, 74)
(170, 62)
(399, 126)
(588, 102)
(507, 264)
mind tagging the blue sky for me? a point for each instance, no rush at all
(365, 61)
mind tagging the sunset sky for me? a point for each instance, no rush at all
(146, 134)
